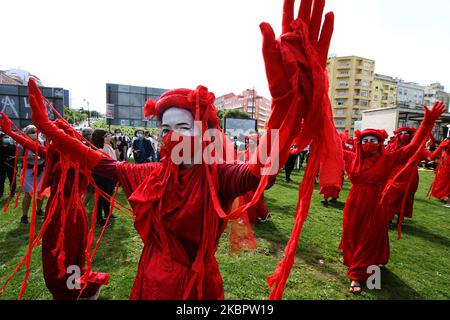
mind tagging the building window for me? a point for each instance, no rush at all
(340, 112)
(341, 92)
(364, 103)
(343, 83)
(343, 72)
(341, 102)
(340, 122)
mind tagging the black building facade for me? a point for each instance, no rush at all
(14, 103)
(128, 102)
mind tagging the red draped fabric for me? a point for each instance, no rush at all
(179, 227)
(440, 187)
(365, 240)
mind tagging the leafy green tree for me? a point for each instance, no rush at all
(236, 114)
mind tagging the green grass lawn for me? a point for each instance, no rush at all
(418, 269)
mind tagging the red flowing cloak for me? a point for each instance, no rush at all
(365, 240)
(175, 219)
(65, 237)
(440, 187)
(408, 186)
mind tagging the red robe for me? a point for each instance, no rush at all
(178, 260)
(440, 188)
(75, 232)
(409, 186)
(365, 240)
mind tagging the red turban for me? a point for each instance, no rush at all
(200, 102)
(409, 129)
(381, 135)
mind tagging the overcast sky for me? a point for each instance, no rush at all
(81, 45)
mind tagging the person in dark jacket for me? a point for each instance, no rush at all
(7, 153)
(142, 148)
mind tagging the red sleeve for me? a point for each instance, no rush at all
(236, 180)
(131, 175)
(349, 157)
(106, 168)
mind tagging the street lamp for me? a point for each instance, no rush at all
(89, 113)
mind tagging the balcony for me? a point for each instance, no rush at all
(343, 75)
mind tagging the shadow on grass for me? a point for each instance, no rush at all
(393, 288)
(429, 202)
(14, 240)
(112, 251)
(426, 235)
(337, 205)
(312, 255)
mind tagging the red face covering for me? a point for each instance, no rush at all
(172, 139)
(370, 148)
(404, 138)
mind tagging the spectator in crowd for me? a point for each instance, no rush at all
(122, 141)
(87, 134)
(7, 154)
(142, 148)
(102, 140)
(154, 143)
(28, 189)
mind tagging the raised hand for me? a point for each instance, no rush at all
(311, 20)
(431, 115)
(5, 124)
(39, 114)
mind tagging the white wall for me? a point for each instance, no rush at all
(386, 118)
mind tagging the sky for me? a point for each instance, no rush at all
(82, 45)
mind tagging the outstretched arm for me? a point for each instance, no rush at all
(431, 115)
(23, 140)
(64, 143)
(296, 73)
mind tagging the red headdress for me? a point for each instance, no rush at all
(410, 130)
(381, 135)
(394, 144)
(200, 102)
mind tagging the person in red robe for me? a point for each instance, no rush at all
(240, 230)
(440, 188)
(331, 193)
(65, 230)
(180, 206)
(404, 208)
(365, 240)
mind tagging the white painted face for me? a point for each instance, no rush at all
(179, 120)
(371, 139)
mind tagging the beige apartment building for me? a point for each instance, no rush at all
(384, 92)
(351, 87)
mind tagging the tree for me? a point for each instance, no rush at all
(236, 114)
(221, 113)
(73, 116)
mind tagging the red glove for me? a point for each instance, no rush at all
(276, 74)
(23, 140)
(431, 115)
(63, 142)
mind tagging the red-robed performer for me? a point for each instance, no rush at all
(365, 240)
(403, 137)
(258, 212)
(180, 208)
(65, 229)
(240, 230)
(330, 193)
(440, 188)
